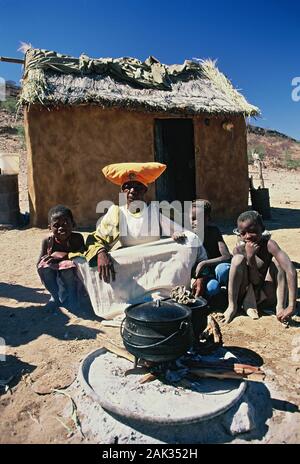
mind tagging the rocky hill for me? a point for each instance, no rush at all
(12, 141)
(276, 149)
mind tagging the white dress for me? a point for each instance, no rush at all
(146, 266)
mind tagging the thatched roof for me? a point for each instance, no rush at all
(193, 88)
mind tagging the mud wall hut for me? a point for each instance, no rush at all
(83, 113)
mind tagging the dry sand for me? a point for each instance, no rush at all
(44, 349)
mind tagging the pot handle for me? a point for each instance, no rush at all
(121, 327)
(183, 327)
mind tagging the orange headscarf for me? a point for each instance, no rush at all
(146, 173)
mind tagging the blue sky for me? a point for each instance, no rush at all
(257, 44)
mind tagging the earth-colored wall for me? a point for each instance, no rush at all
(68, 147)
(222, 165)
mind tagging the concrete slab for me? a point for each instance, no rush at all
(102, 375)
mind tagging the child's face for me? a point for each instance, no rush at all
(61, 227)
(250, 231)
(197, 213)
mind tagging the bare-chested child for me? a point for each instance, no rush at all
(260, 272)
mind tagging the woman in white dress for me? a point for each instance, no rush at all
(144, 264)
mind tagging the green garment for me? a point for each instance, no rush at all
(104, 237)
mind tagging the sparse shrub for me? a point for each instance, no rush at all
(290, 163)
(21, 134)
(249, 155)
(293, 164)
(260, 149)
(9, 105)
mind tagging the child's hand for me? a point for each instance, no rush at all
(59, 255)
(283, 315)
(251, 249)
(198, 287)
(179, 237)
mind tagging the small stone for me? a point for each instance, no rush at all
(240, 420)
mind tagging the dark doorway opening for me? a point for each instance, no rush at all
(174, 146)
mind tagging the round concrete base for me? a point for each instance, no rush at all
(102, 375)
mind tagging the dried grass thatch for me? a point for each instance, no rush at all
(191, 88)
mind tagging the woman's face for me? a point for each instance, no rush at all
(250, 231)
(134, 191)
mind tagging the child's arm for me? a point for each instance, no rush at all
(291, 277)
(225, 256)
(251, 249)
(76, 246)
(43, 249)
(78, 243)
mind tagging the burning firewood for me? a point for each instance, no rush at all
(148, 378)
(118, 350)
(213, 329)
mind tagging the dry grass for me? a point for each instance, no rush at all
(191, 88)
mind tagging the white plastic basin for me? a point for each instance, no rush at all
(9, 163)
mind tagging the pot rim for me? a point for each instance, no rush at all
(188, 314)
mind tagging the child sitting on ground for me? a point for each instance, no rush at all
(212, 273)
(53, 262)
(260, 272)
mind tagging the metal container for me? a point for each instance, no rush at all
(9, 200)
(200, 311)
(157, 331)
(260, 200)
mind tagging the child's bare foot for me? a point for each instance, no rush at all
(249, 303)
(229, 314)
(252, 312)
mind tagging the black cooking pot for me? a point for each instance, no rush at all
(200, 312)
(157, 331)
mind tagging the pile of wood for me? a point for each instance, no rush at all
(224, 369)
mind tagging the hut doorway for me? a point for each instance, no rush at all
(174, 146)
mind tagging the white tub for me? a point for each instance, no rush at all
(9, 163)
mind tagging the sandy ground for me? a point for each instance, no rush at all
(43, 350)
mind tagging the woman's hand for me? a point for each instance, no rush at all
(105, 267)
(179, 237)
(198, 287)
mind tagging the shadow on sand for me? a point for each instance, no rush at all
(12, 370)
(281, 218)
(19, 326)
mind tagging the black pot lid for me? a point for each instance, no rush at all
(158, 311)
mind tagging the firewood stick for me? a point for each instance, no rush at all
(247, 366)
(225, 365)
(118, 350)
(207, 373)
(147, 378)
(202, 373)
(214, 329)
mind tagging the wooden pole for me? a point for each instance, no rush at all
(12, 60)
(261, 178)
